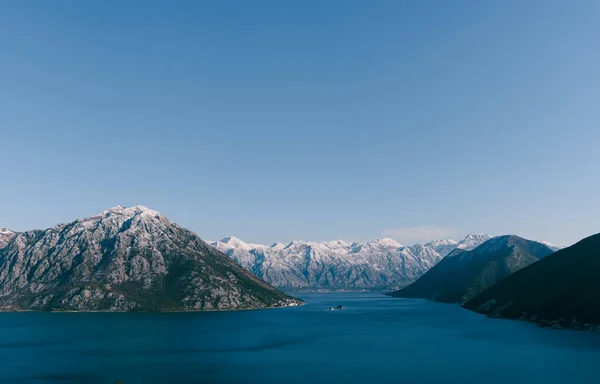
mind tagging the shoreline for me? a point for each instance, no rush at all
(298, 304)
(548, 324)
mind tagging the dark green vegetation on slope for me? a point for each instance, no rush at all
(125, 259)
(562, 289)
(462, 275)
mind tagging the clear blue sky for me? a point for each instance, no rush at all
(280, 120)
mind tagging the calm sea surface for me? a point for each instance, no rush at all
(374, 339)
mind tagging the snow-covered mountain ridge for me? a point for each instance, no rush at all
(342, 265)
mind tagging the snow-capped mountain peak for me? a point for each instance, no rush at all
(337, 243)
(6, 235)
(6, 232)
(130, 211)
(387, 242)
(436, 243)
(472, 240)
(443, 247)
(232, 242)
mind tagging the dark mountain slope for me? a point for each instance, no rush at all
(561, 289)
(462, 275)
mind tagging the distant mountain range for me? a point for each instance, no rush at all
(382, 264)
(463, 274)
(124, 259)
(562, 290)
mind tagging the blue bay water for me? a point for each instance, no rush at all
(374, 339)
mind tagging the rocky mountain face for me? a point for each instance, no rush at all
(562, 290)
(463, 274)
(381, 264)
(6, 235)
(125, 259)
